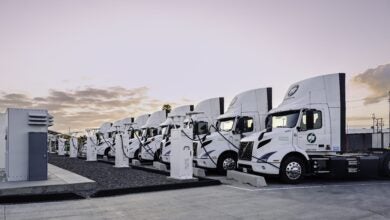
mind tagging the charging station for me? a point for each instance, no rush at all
(61, 146)
(91, 146)
(121, 143)
(26, 144)
(74, 147)
(181, 155)
(52, 143)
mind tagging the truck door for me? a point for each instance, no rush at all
(311, 131)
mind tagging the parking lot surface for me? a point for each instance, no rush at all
(317, 199)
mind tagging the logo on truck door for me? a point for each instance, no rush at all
(311, 138)
(293, 90)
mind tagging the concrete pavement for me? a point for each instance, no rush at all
(345, 200)
(59, 181)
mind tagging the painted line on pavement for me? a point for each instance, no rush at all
(305, 187)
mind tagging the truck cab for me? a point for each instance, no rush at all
(199, 121)
(135, 132)
(245, 115)
(152, 136)
(306, 134)
(299, 127)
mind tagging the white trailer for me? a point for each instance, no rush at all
(199, 121)
(306, 135)
(245, 115)
(135, 136)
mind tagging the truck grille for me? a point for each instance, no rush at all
(195, 146)
(245, 152)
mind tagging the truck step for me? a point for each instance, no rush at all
(320, 158)
(322, 171)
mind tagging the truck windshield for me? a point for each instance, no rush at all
(135, 133)
(144, 132)
(286, 119)
(202, 128)
(226, 124)
(165, 130)
(153, 132)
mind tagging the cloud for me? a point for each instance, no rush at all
(377, 80)
(87, 107)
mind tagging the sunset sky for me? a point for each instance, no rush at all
(91, 61)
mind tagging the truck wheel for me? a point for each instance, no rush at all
(292, 170)
(227, 161)
(386, 167)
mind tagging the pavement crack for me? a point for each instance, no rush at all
(5, 217)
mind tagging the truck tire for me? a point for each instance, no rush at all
(227, 161)
(292, 170)
(386, 166)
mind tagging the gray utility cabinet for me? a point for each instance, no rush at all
(26, 144)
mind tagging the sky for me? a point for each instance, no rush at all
(93, 61)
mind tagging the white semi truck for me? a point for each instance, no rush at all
(244, 116)
(203, 116)
(306, 135)
(135, 136)
(151, 133)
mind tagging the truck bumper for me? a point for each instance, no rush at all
(204, 163)
(261, 168)
(166, 159)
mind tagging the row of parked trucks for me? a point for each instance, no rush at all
(304, 135)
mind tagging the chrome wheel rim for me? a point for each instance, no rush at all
(293, 170)
(229, 164)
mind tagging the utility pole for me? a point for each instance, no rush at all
(373, 123)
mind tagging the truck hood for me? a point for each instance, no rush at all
(215, 136)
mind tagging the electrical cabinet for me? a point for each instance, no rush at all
(3, 125)
(26, 137)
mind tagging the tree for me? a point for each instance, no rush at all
(167, 108)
